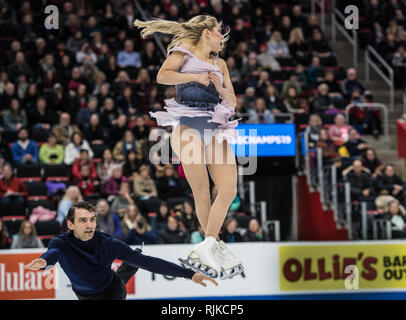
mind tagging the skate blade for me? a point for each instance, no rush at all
(237, 270)
(198, 267)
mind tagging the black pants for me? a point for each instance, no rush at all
(117, 289)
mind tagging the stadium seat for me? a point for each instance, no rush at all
(13, 223)
(57, 172)
(39, 135)
(29, 172)
(32, 204)
(98, 150)
(37, 190)
(12, 209)
(46, 230)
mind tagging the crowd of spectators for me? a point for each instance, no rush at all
(79, 96)
(371, 181)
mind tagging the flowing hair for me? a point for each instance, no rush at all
(190, 30)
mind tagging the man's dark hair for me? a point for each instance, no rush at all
(80, 205)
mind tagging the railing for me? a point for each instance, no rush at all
(372, 105)
(145, 17)
(321, 5)
(382, 225)
(404, 103)
(337, 15)
(388, 79)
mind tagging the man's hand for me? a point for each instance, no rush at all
(36, 264)
(199, 277)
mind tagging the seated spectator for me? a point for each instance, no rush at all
(126, 144)
(262, 83)
(84, 114)
(315, 72)
(109, 114)
(198, 235)
(339, 132)
(12, 189)
(298, 47)
(250, 70)
(255, 232)
(266, 59)
(117, 130)
(132, 214)
(366, 120)
(127, 102)
(249, 98)
(277, 47)
(327, 146)
(322, 102)
(285, 28)
(260, 114)
(371, 162)
(26, 237)
(399, 66)
(128, 57)
(292, 102)
(350, 83)
(301, 75)
(72, 196)
(229, 232)
(4, 236)
(333, 85)
(394, 214)
(361, 183)
(94, 132)
(122, 200)
(41, 117)
(172, 234)
(15, 117)
(169, 185)
(355, 146)
(273, 101)
(111, 187)
(189, 216)
(87, 184)
(107, 221)
(106, 166)
(389, 183)
(140, 130)
(72, 150)
(64, 130)
(144, 187)
(51, 152)
(158, 223)
(24, 150)
(291, 83)
(139, 231)
(313, 130)
(319, 46)
(387, 47)
(131, 165)
(83, 159)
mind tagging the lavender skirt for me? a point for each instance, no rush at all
(200, 119)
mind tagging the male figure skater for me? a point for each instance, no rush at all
(86, 256)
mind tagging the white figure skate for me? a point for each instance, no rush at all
(202, 260)
(230, 265)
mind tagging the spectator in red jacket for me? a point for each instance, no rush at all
(84, 158)
(12, 190)
(86, 183)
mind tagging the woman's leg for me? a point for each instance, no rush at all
(223, 171)
(195, 169)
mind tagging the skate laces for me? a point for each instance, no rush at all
(222, 248)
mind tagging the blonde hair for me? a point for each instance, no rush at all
(275, 35)
(22, 226)
(293, 33)
(189, 31)
(138, 217)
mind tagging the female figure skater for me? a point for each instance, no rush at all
(200, 79)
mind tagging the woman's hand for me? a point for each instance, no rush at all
(215, 79)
